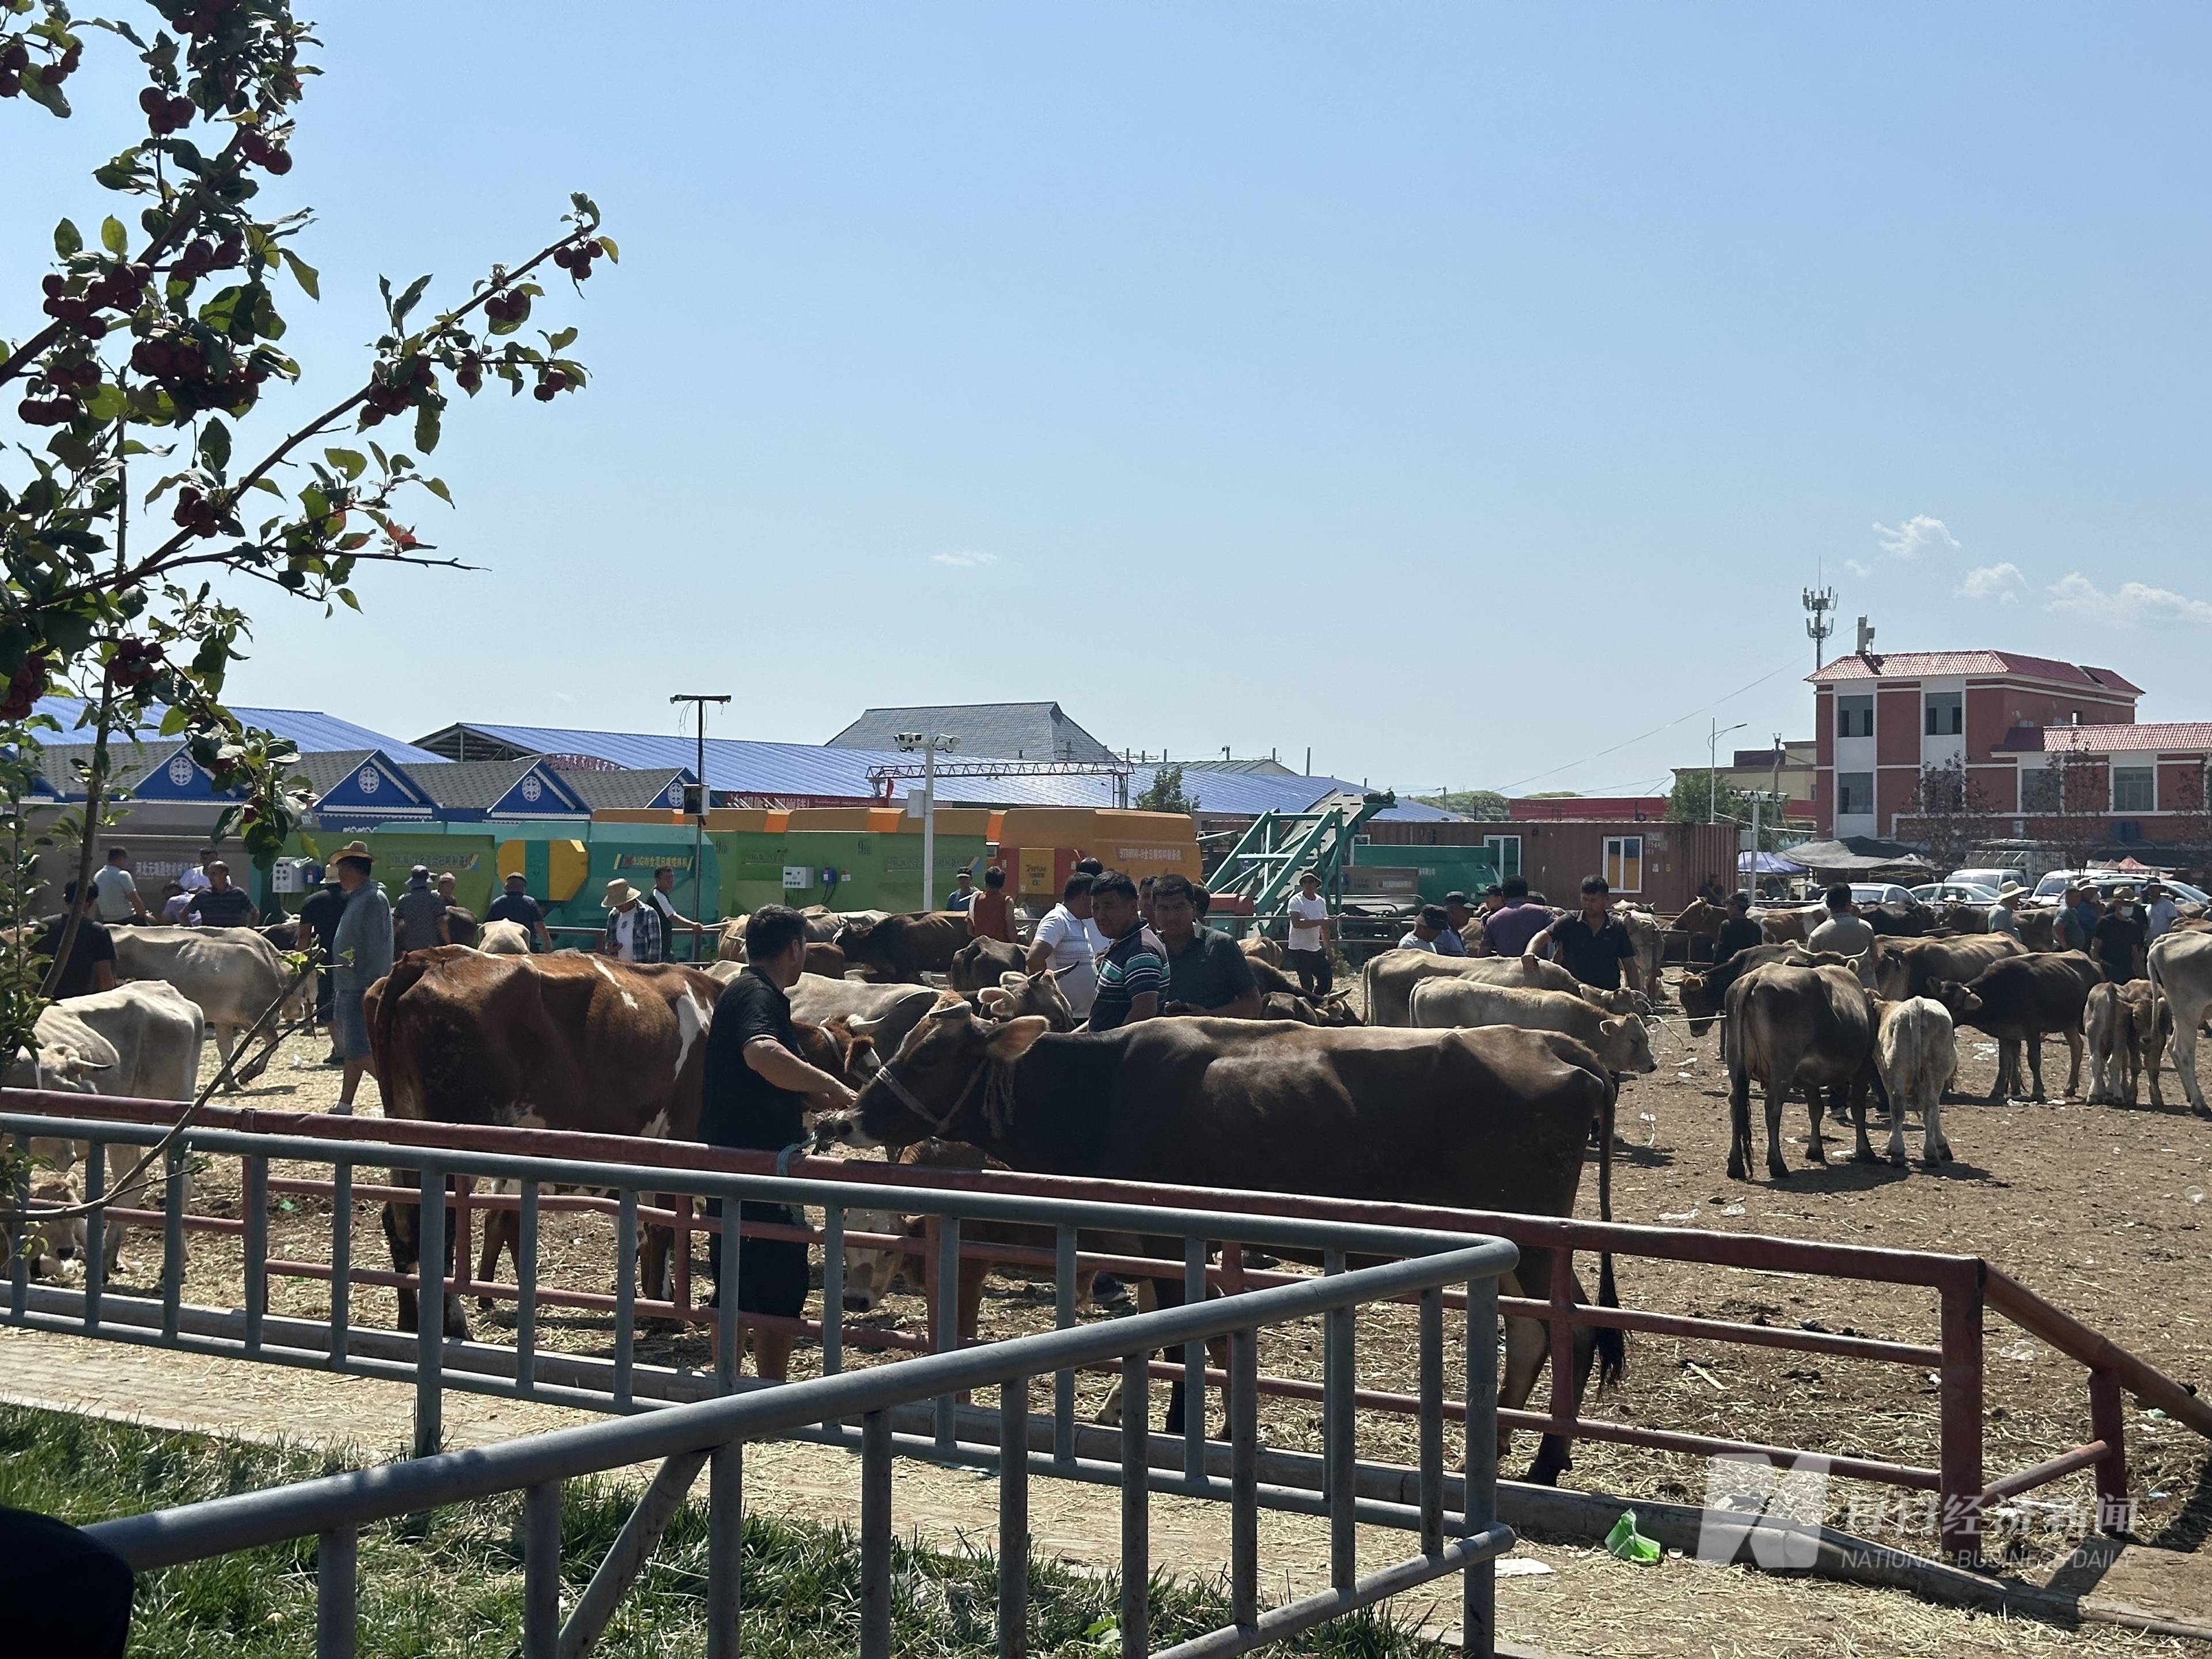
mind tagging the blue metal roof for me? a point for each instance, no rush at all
(314, 732)
(741, 766)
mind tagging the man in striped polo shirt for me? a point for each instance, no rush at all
(1132, 968)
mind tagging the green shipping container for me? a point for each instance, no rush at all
(464, 849)
(751, 866)
(875, 872)
(1440, 870)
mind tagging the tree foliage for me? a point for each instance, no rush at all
(1485, 804)
(139, 503)
(1164, 794)
(1950, 811)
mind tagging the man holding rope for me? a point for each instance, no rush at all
(361, 955)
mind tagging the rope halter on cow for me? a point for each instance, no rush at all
(998, 1082)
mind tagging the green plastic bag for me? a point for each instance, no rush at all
(1629, 1545)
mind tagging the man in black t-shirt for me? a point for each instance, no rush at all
(1206, 973)
(516, 905)
(90, 965)
(1591, 946)
(318, 913)
(2119, 937)
(754, 1095)
(1739, 932)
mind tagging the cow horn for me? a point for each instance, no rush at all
(862, 1027)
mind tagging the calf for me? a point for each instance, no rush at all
(1621, 1042)
(2018, 999)
(981, 962)
(1797, 1027)
(53, 1246)
(1916, 1054)
(2127, 1028)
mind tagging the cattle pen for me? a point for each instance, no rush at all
(1963, 1289)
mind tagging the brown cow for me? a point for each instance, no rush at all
(2017, 999)
(1704, 995)
(981, 961)
(1797, 1027)
(1491, 1119)
(560, 1042)
(1389, 977)
(1260, 948)
(905, 947)
(1906, 968)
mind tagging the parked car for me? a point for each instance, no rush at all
(2106, 883)
(1959, 892)
(1880, 892)
(1995, 878)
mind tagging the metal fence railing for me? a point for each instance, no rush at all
(648, 1183)
(1465, 1537)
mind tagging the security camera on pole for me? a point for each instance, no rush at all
(929, 744)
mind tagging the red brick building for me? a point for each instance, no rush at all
(1880, 717)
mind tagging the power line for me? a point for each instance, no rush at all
(1625, 743)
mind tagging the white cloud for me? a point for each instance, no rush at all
(2000, 582)
(964, 561)
(1857, 569)
(1917, 537)
(2131, 605)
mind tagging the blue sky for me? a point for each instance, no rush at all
(1461, 391)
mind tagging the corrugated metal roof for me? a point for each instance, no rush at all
(742, 766)
(1021, 731)
(314, 731)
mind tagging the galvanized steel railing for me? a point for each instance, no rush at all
(1463, 1538)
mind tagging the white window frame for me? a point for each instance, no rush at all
(2152, 770)
(1616, 863)
(1498, 845)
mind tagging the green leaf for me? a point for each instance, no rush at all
(269, 484)
(304, 274)
(214, 446)
(66, 240)
(112, 236)
(561, 341)
(175, 721)
(437, 487)
(351, 462)
(426, 428)
(36, 89)
(612, 251)
(106, 402)
(407, 300)
(346, 594)
(314, 503)
(222, 310)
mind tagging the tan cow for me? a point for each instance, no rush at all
(2127, 1028)
(1260, 948)
(1797, 1027)
(1916, 1054)
(1389, 978)
(1622, 1043)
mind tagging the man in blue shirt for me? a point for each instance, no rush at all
(963, 894)
(1133, 969)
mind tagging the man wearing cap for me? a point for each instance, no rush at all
(1307, 944)
(964, 891)
(1738, 931)
(515, 905)
(1428, 927)
(2004, 916)
(2120, 938)
(219, 904)
(634, 931)
(418, 920)
(361, 955)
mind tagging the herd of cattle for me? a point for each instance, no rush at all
(1471, 1083)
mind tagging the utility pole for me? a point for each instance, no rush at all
(1818, 601)
(699, 700)
(1712, 773)
(929, 744)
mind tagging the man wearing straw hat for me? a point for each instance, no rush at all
(634, 931)
(361, 955)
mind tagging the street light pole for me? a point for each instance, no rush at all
(929, 744)
(699, 701)
(1712, 775)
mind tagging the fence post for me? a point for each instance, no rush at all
(1014, 1519)
(1478, 1487)
(541, 1571)
(430, 1315)
(2108, 1422)
(1960, 1393)
(337, 1589)
(726, 1538)
(875, 1535)
(341, 1261)
(257, 1251)
(1136, 1509)
(96, 1236)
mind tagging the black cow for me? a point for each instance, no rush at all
(2018, 1000)
(904, 948)
(981, 962)
(1495, 1118)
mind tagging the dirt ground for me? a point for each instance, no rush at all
(2094, 1207)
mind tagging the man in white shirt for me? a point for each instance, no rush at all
(2004, 915)
(1308, 942)
(115, 890)
(198, 880)
(1069, 942)
(1427, 926)
(2161, 913)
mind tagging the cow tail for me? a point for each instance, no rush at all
(402, 1095)
(1611, 1344)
